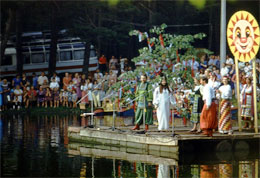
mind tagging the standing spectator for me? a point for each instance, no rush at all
(66, 80)
(76, 82)
(54, 84)
(57, 78)
(34, 80)
(42, 78)
(24, 82)
(113, 63)
(84, 91)
(6, 94)
(224, 124)
(122, 63)
(16, 81)
(69, 92)
(112, 78)
(102, 63)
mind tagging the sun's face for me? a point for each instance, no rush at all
(243, 36)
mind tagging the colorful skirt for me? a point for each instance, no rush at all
(224, 123)
(246, 108)
(208, 118)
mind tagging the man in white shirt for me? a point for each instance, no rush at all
(42, 78)
(54, 84)
(208, 118)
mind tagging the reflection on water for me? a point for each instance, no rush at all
(38, 145)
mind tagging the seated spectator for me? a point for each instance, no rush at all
(32, 96)
(18, 97)
(98, 73)
(56, 97)
(25, 98)
(84, 91)
(65, 98)
(48, 97)
(74, 98)
(41, 96)
(45, 84)
(112, 79)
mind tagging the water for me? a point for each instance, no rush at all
(38, 146)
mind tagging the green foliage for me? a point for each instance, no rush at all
(163, 55)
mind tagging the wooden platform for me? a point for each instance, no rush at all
(153, 142)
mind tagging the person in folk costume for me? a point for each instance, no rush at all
(247, 103)
(224, 124)
(197, 105)
(162, 98)
(144, 100)
(208, 117)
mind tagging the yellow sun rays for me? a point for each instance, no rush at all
(248, 18)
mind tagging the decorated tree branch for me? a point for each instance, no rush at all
(160, 49)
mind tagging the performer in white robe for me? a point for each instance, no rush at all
(162, 98)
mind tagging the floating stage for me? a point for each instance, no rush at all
(120, 142)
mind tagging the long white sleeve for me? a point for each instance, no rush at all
(207, 95)
(156, 96)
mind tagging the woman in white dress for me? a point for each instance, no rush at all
(162, 98)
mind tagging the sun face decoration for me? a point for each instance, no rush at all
(243, 36)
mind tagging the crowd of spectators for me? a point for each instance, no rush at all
(42, 91)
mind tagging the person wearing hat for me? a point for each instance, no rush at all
(162, 98)
(144, 100)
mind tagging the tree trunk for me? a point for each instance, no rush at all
(86, 59)
(19, 57)
(8, 26)
(98, 37)
(54, 41)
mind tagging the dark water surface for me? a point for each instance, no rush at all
(38, 146)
